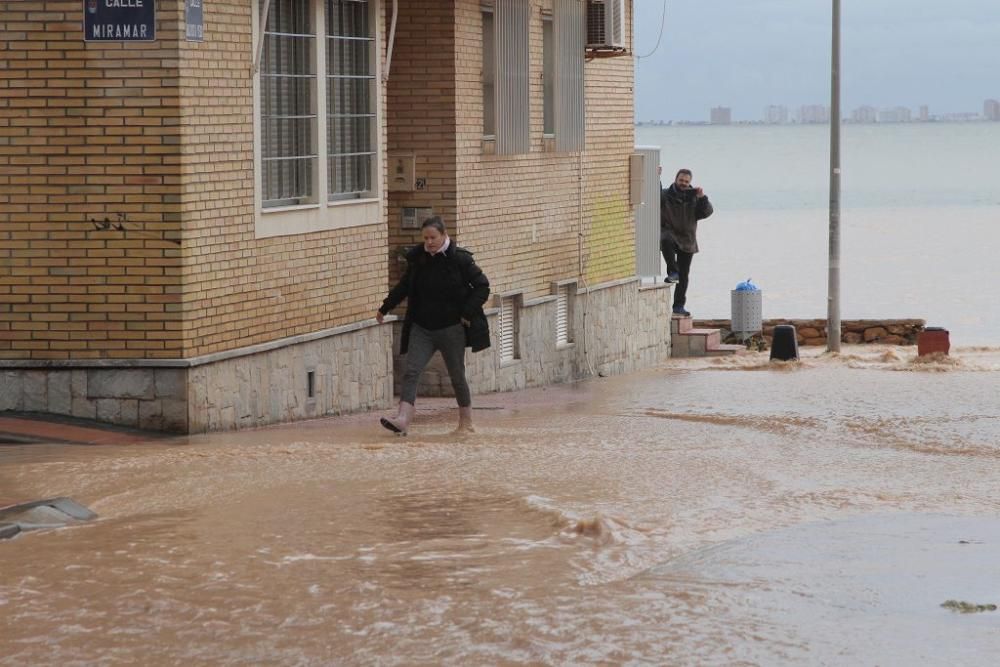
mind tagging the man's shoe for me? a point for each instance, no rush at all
(679, 310)
(672, 278)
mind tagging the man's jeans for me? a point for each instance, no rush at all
(669, 251)
(684, 269)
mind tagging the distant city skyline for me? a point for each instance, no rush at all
(780, 114)
(747, 56)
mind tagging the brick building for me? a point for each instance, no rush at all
(196, 229)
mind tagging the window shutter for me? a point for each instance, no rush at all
(508, 329)
(489, 74)
(570, 37)
(563, 336)
(511, 55)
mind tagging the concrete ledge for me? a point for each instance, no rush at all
(608, 285)
(46, 364)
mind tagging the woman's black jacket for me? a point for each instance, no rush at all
(468, 285)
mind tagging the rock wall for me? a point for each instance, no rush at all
(617, 327)
(336, 374)
(813, 332)
(147, 398)
(332, 372)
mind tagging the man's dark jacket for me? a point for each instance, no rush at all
(463, 283)
(680, 211)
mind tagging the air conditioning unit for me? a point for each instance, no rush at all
(605, 24)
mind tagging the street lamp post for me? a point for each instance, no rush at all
(833, 285)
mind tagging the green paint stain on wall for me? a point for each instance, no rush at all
(610, 240)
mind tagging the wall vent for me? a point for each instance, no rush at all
(564, 316)
(508, 329)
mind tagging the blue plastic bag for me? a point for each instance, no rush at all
(747, 286)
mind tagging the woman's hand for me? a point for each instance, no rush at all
(465, 322)
(379, 316)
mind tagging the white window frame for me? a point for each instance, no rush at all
(323, 214)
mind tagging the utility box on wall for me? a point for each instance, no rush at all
(647, 211)
(413, 217)
(636, 173)
(402, 173)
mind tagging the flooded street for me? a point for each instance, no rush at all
(724, 511)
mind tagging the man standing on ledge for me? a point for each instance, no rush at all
(681, 207)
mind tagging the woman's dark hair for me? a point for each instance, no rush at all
(434, 221)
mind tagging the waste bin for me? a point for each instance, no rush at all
(747, 311)
(931, 340)
(785, 343)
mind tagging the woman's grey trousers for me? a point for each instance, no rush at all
(450, 341)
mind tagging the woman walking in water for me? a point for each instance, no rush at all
(445, 293)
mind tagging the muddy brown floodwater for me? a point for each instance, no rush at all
(719, 512)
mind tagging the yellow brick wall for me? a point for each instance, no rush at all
(421, 113)
(157, 137)
(521, 213)
(609, 219)
(88, 132)
(240, 290)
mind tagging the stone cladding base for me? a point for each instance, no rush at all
(617, 327)
(333, 372)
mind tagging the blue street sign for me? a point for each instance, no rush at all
(119, 20)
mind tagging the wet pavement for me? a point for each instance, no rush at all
(724, 511)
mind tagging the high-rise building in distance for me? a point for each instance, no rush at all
(864, 114)
(814, 113)
(775, 114)
(991, 110)
(894, 115)
(925, 113)
(721, 116)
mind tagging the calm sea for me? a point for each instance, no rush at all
(920, 224)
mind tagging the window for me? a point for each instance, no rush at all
(316, 115)
(569, 32)
(506, 88)
(548, 77)
(489, 99)
(350, 107)
(288, 116)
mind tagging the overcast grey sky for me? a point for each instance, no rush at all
(746, 54)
